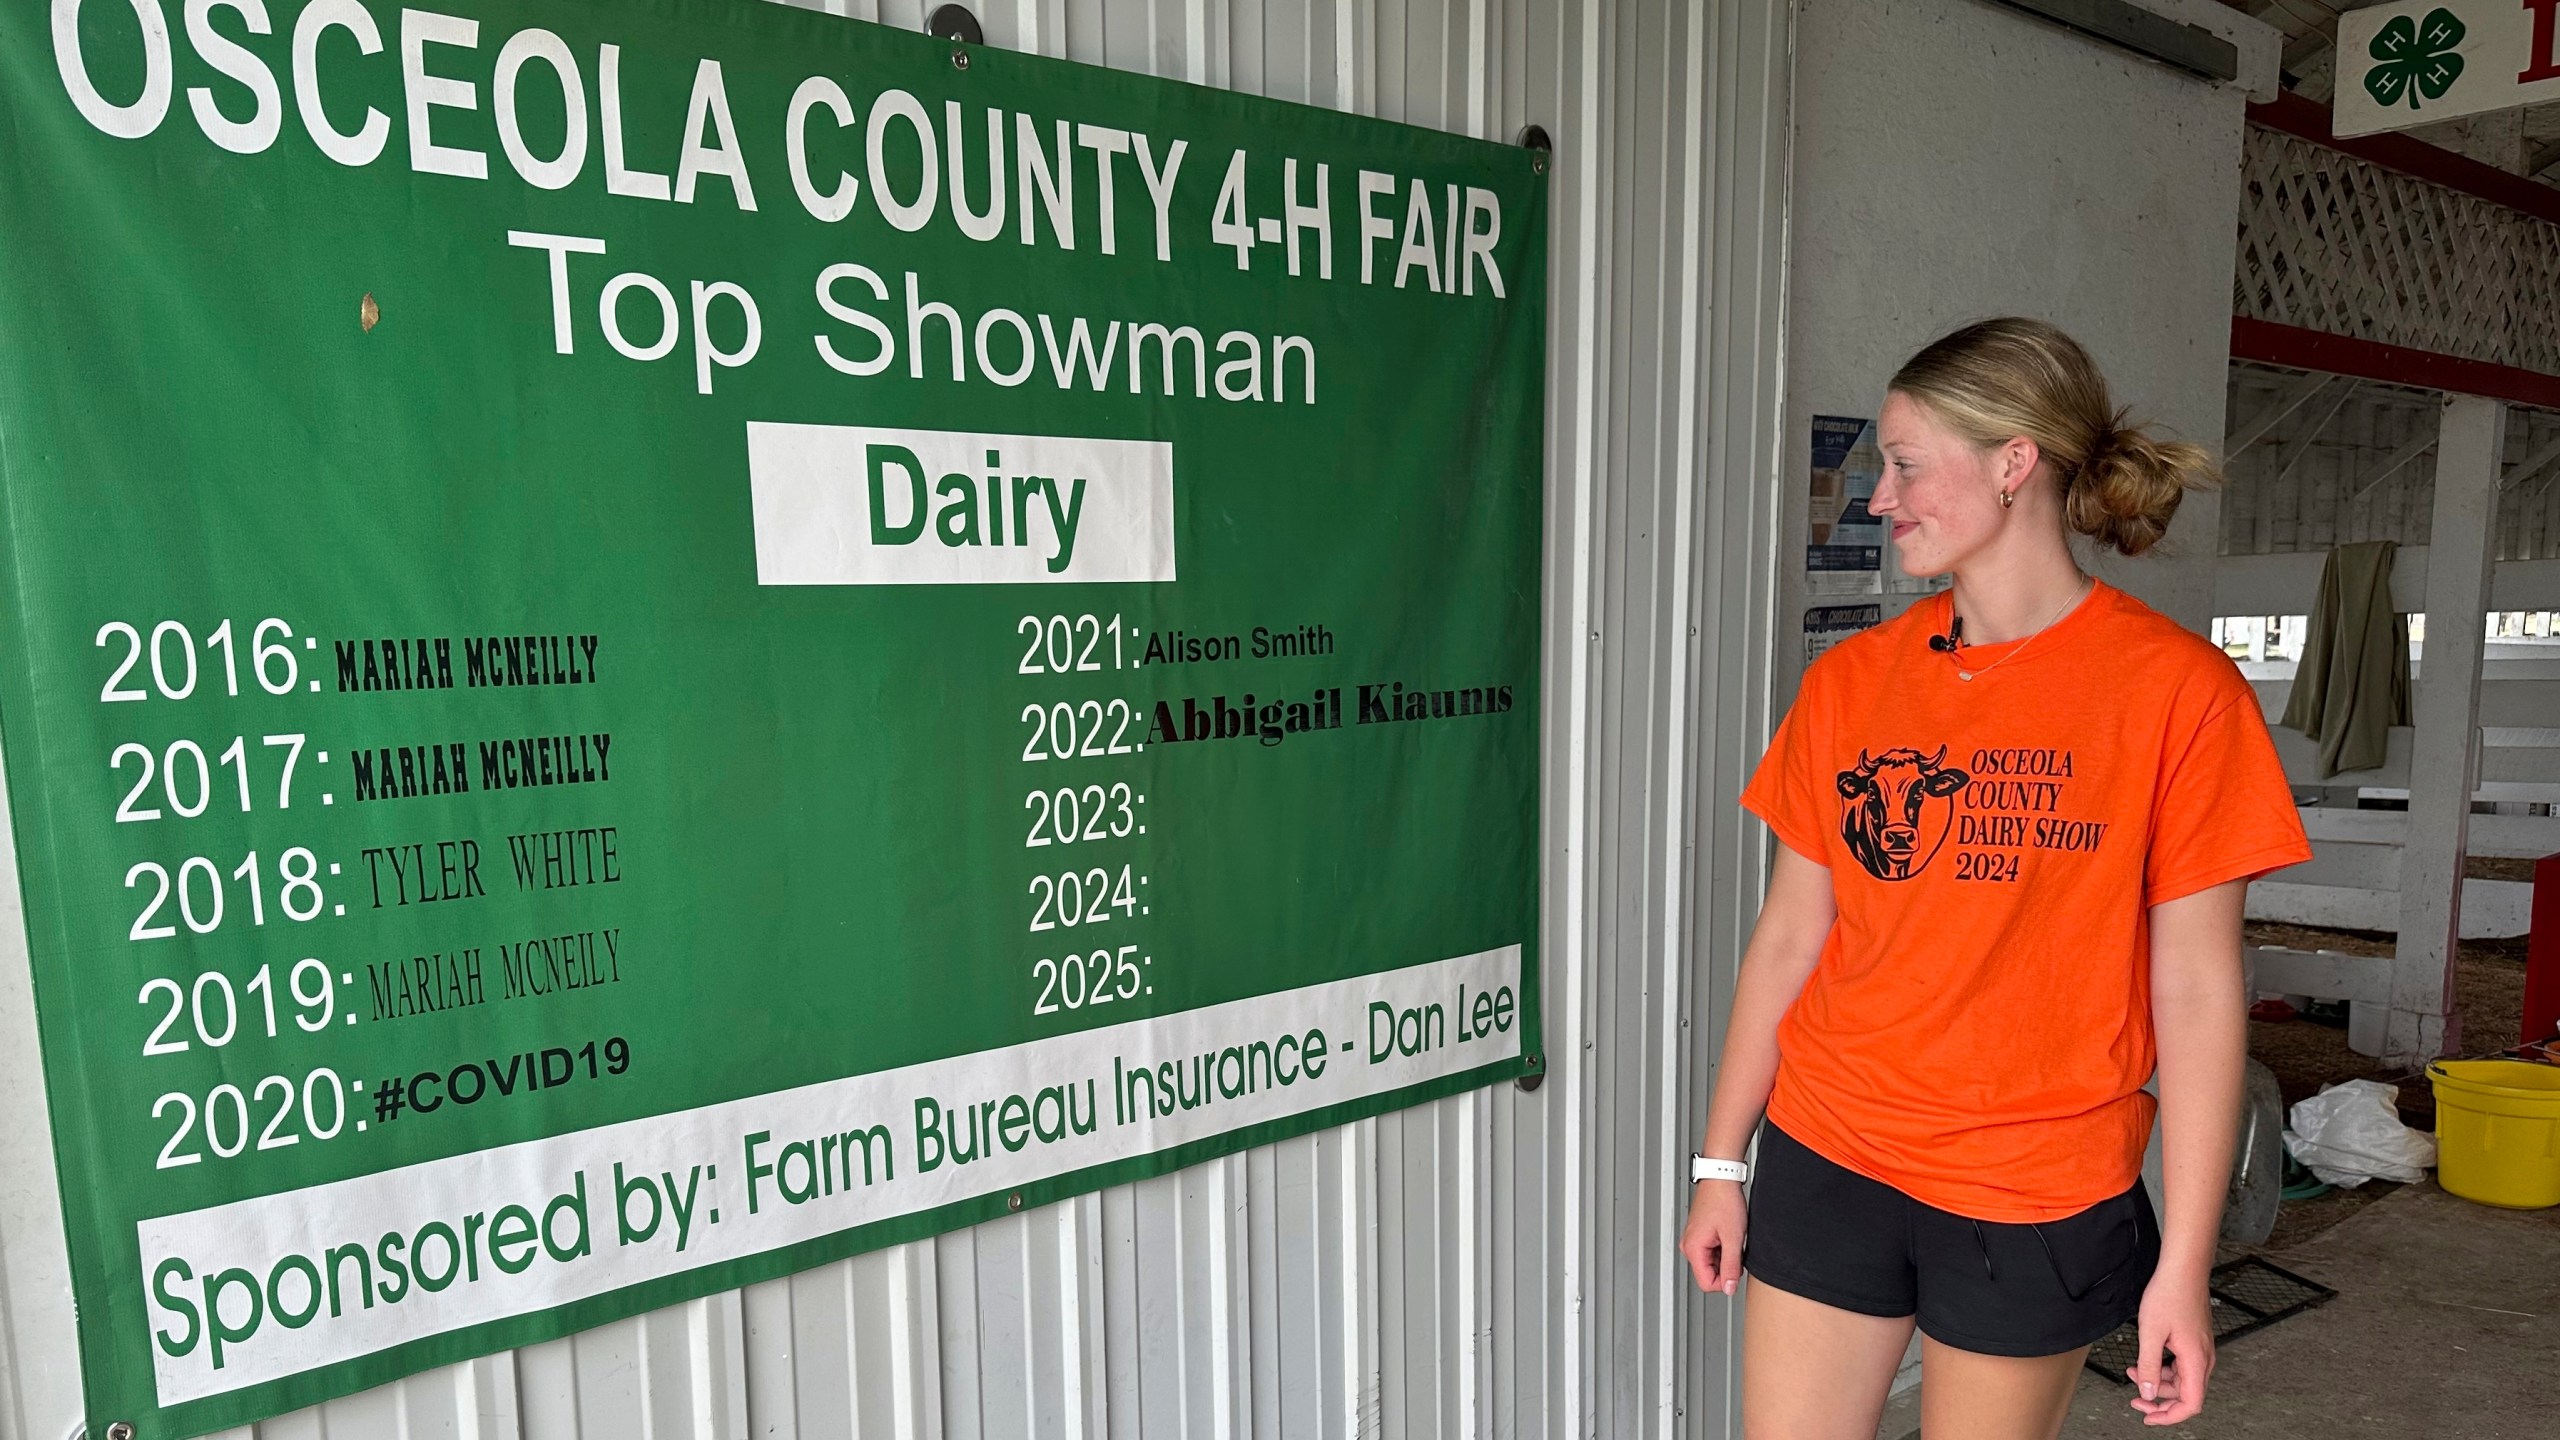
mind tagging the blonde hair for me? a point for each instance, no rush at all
(1997, 379)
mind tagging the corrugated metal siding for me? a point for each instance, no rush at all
(1494, 1264)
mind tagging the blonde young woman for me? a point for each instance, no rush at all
(2015, 827)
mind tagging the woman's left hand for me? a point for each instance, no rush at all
(2177, 1316)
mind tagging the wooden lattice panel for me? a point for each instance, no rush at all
(2333, 243)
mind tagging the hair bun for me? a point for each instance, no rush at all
(2130, 485)
(2106, 440)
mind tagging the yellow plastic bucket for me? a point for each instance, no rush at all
(2498, 1131)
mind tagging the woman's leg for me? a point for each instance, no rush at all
(1965, 1396)
(1812, 1371)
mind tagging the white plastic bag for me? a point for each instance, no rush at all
(2351, 1132)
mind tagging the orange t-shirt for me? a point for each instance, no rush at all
(1978, 1029)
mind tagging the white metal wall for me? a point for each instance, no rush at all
(1961, 160)
(1495, 1264)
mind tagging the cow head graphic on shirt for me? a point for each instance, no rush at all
(1895, 808)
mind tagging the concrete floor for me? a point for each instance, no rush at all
(2446, 1324)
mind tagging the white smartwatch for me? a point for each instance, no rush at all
(1702, 1168)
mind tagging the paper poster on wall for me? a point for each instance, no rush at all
(1845, 545)
(652, 643)
(1828, 625)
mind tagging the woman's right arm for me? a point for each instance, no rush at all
(1786, 943)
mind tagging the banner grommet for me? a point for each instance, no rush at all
(954, 22)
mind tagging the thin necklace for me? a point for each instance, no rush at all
(2077, 595)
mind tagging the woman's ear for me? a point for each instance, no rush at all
(2017, 461)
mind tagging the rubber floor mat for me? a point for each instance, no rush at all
(2248, 1294)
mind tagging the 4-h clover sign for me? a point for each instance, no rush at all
(2409, 56)
(2415, 57)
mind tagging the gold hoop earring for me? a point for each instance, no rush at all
(2008, 498)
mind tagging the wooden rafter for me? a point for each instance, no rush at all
(2531, 466)
(2293, 398)
(2394, 463)
(2300, 445)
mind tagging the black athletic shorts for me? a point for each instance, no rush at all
(1825, 1232)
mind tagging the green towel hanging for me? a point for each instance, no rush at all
(2353, 683)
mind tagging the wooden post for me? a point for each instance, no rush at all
(2444, 764)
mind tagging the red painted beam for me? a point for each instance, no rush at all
(2308, 119)
(2297, 348)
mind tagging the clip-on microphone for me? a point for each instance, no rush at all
(1946, 644)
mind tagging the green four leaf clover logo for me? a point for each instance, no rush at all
(2412, 58)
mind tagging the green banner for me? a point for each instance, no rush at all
(648, 644)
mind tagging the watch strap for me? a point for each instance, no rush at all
(1702, 1168)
